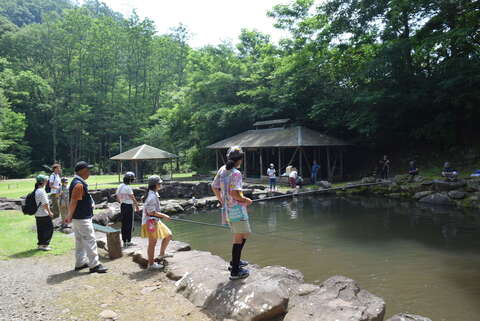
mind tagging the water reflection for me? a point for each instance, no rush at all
(419, 258)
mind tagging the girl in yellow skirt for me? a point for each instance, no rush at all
(152, 227)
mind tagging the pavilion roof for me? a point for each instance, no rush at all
(144, 152)
(279, 137)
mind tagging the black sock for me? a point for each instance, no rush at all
(243, 243)
(236, 253)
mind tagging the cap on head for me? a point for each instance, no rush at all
(271, 165)
(41, 178)
(81, 165)
(235, 153)
(154, 180)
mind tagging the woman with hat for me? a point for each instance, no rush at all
(227, 187)
(43, 215)
(152, 227)
(127, 200)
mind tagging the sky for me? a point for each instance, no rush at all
(209, 21)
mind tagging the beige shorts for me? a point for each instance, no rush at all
(240, 227)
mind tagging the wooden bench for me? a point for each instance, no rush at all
(114, 246)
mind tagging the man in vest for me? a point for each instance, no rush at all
(80, 213)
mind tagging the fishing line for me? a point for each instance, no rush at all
(254, 233)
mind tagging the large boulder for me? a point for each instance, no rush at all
(110, 214)
(437, 199)
(171, 207)
(473, 185)
(324, 184)
(402, 179)
(338, 298)
(457, 195)
(445, 186)
(204, 279)
(368, 180)
(420, 195)
(408, 317)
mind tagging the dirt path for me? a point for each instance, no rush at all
(47, 289)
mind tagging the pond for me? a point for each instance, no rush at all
(419, 259)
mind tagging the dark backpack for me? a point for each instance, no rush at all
(31, 205)
(47, 186)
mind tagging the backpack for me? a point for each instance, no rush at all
(48, 189)
(31, 205)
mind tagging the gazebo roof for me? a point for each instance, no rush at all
(144, 152)
(279, 137)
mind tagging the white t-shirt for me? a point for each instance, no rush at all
(56, 181)
(293, 174)
(124, 192)
(271, 172)
(151, 204)
(41, 198)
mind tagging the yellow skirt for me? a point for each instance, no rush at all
(161, 231)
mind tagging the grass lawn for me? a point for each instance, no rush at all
(18, 237)
(15, 188)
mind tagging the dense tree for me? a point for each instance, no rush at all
(373, 72)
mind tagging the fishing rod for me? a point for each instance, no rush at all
(315, 191)
(254, 233)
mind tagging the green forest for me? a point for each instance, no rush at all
(385, 75)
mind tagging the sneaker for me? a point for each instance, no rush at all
(155, 266)
(44, 248)
(132, 244)
(242, 264)
(99, 269)
(241, 274)
(81, 267)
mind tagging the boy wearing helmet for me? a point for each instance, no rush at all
(127, 200)
(227, 187)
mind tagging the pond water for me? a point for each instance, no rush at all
(420, 260)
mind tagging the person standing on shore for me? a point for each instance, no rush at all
(54, 184)
(227, 186)
(272, 177)
(127, 200)
(64, 201)
(80, 213)
(43, 215)
(152, 227)
(292, 177)
(385, 167)
(315, 169)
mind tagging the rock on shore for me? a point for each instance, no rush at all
(270, 292)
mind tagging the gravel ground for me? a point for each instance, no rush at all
(46, 289)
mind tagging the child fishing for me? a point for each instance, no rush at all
(227, 187)
(152, 227)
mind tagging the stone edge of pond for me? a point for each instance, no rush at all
(461, 194)
(270, 292)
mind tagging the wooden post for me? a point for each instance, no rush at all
(300, 162)
(171, 170)
(136, 171)
(329, 174)
(279, 162)
(216, 159)
(341, 163)
(114, 245)
(119, 171)
(261, 163)
(245, 164)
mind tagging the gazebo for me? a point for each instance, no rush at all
(141, 153)
(277, 142)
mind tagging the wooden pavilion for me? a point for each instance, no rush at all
(278, 142)
(142, 153)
